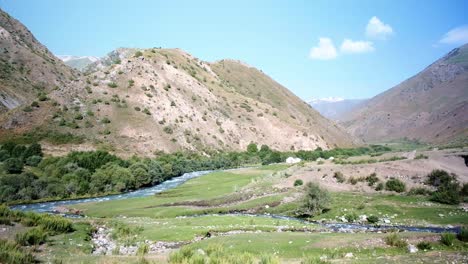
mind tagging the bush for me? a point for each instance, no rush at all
(440, 177)
(33, 161)
(352, 217)
(168, 130)
(447, 239)
(372, 179)
(339, 176)
(394, 240)
(13, 165)
(395, 185)
(448, 193)
(143, 249)
(463, 235)
(138, 54)
(419, 191)
(146, 111)
(12, 253)
(372, 219)
(112, 85)
(298, 182)
(105, 120)
(424, 245)
(380, 186)
(34, 236)
(315, 200)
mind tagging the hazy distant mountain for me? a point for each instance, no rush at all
(78, 62)
(334, 107)
(139, 101)
(431, 106)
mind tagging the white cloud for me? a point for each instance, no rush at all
(350, 46)
(324, 51)
(377, 29)
(458, 35)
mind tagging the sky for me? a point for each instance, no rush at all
(349, 49)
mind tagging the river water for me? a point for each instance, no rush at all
(50, 207)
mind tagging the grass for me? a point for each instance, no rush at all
(410, 210)
(215, 186)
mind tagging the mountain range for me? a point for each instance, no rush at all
(138, 101)
(334, 107)
(431, 106)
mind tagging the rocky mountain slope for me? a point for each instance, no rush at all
(335, 108)
(431, 106)
(138, 101)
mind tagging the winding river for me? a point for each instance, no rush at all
(50, 207)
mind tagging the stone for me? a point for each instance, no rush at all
(412, 248)
(349, 255)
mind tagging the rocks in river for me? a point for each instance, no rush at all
(386, 220)
(412, 248)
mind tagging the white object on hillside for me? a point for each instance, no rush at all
(292, 160)
(331, 158)
(412, 248)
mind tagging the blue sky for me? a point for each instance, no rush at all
(354, 60)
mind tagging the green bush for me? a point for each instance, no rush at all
(12, 253)
(168, 130)
(394, 240)
(315, 200)
(112, 85)
(419, 191)
(447, 239)
(395, 185)
(447, 193)
(34, 236)
(463, 235)
(146, 111)
(440, 177)
(372, 179)
(372, 219)
(13, 165)
(138, 54)
(143, 249)
(339, 176)
(105, 120)
(352, 217)
(424, 245)
(298, 182)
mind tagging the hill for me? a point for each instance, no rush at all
(78, 62)
(138, 101)
(431, 106)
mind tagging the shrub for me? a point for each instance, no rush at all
(34, 104)
(424, 245)
(137, 108)
(440, 177)
(146, 111)
(138, 54)
(395, 185)
(421, 156)
(27, 109)
(353, 180)
(448, 193)
(352, 217)
(419, 191)
(463, 235)
(372, 179)
(13, 165)
(34, 236)
(379, 186)
(315, 200)
(298, 182)
(143, 249)
(105, 120)
(112, 85)
(12, 253)
(168, 130)
(447, 239)
(339, 176)
(33, 160)
(372, 219)
(394, 240)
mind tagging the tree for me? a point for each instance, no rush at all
(252, 148)
(140, 173)
(315, 200)
(13, 165)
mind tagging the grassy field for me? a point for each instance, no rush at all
(188, 212)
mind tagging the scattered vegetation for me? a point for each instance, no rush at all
(395, 185)
(447, 239)
(394, 240)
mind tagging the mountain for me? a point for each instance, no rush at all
(431, 106)
(78, 62)
(334, 107)
(138, 101)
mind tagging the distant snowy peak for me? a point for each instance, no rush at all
(325, 100)
(66, 58)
